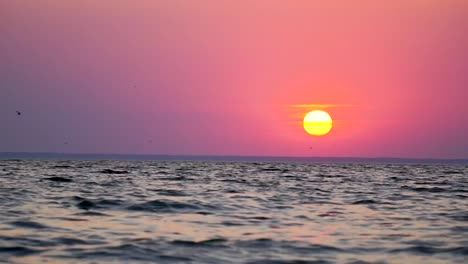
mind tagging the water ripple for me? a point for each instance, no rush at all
(60, 211)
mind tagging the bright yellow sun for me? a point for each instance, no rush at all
(318, 123)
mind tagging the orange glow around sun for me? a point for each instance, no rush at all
(317, 123)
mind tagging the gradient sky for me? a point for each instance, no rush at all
(219, 77)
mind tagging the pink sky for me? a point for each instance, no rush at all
(221, 77)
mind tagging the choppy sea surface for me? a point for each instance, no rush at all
(59, 211)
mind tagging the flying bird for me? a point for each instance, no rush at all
(18, 113)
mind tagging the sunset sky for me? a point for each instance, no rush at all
(219, 77)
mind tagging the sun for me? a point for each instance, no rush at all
(317, 123)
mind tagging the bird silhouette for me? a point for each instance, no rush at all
(18, 113)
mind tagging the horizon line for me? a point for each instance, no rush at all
(265, 157)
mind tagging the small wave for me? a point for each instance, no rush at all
(70, 219)
(365, 262)
(453, 172)
(257, 243)
(203, 213)
(239, 196)
(168, 206)
(86, 205)
(28, 224)
(172, 193)
(111, 171)
(427, 250)
(18, 251)
(275, 169)
(294, 247)
(69, 241)
(431, 183)
(367, 201)
(103, 203)
(108, 202)
(257, 218)
(58, 179)
(460, 229)
(426, 189)
(176, 178)
(77, 198)
(395, 178)
(422, 243)
(303, 217)
(460, 217)
(322, 175)
(232, 223)
(215, 242)
(322, 190)
(127, 252)
(61, 166)
(91, 213)
(91, 183)
(234, 180)
(28, 241)
(432, 190)
(330, 213)
(280, 261)
(174, 258)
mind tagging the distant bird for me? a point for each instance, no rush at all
(18, 113)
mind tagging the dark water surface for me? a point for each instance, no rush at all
(221, 212)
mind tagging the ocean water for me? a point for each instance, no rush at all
(59, 211)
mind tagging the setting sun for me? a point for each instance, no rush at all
(318, 123)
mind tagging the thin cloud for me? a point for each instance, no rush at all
(321, 106)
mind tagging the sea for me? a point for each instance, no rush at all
(91, 209)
